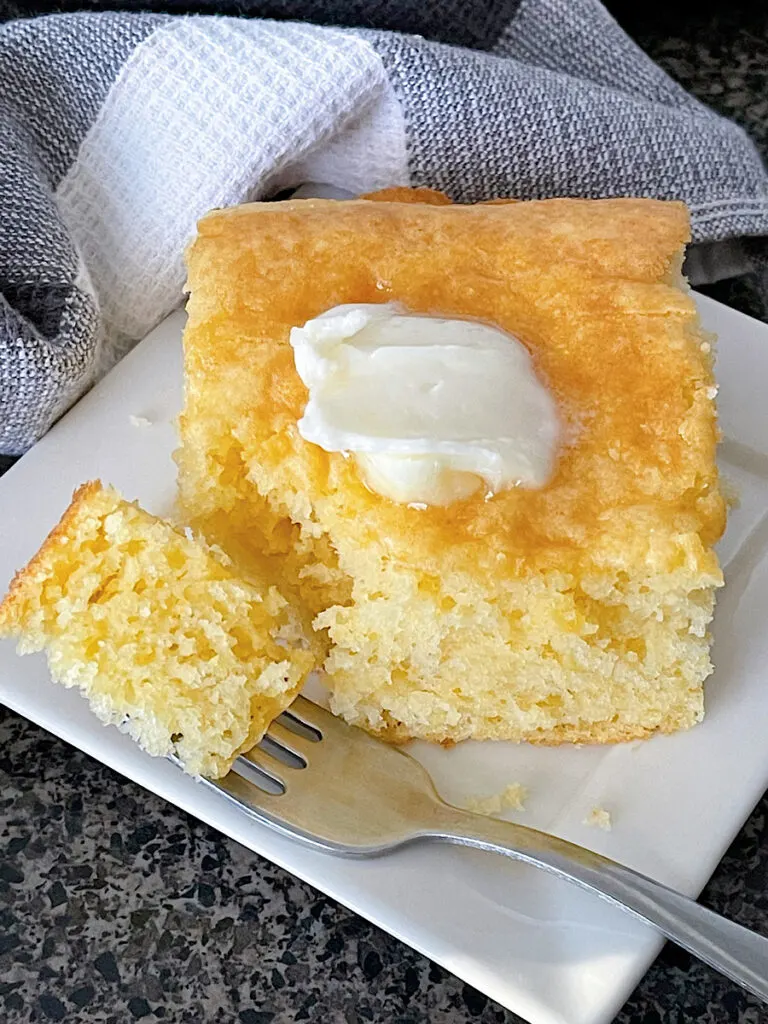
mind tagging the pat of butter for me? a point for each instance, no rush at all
(432, 409)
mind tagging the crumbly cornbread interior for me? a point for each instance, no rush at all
(156, 629)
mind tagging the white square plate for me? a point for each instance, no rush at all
(548, 952)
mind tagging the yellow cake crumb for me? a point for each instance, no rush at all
(159, 633)
(731, 493)
(598, 817)
(511, 798)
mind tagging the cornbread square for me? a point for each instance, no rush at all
(573, 612)
(157, 631)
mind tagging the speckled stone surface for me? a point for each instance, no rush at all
(115, 906)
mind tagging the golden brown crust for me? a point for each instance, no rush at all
(10, 604)
(404, 194)
(607, 732)
(582, 283)
(431, 196)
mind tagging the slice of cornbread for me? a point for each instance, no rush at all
(577, 611)
(157, 631)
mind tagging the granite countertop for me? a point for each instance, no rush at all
(115, 906)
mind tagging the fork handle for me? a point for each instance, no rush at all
(737, 952)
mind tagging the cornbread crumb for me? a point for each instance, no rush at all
(512, 798)
(139, 421)
(731, 493)
(165, 641)
(598, 817)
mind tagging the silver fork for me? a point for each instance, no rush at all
(316, 779)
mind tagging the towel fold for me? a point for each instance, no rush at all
(119, 130)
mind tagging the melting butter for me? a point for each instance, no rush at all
(432, 409)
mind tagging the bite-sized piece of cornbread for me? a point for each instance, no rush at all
(157, 631)
(573, 611)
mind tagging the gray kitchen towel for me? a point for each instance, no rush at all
(119, 130)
